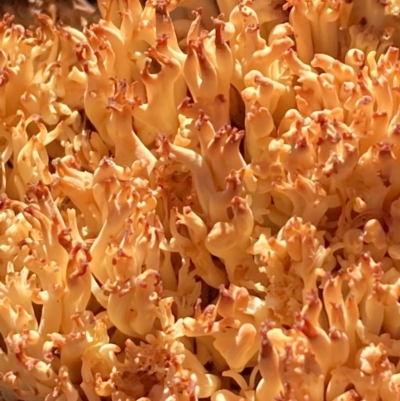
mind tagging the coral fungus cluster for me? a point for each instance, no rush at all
(202, 203)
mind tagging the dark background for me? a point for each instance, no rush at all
(65, 11)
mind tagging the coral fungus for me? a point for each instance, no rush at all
(201, 200)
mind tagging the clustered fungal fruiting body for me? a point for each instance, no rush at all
(202, 206)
